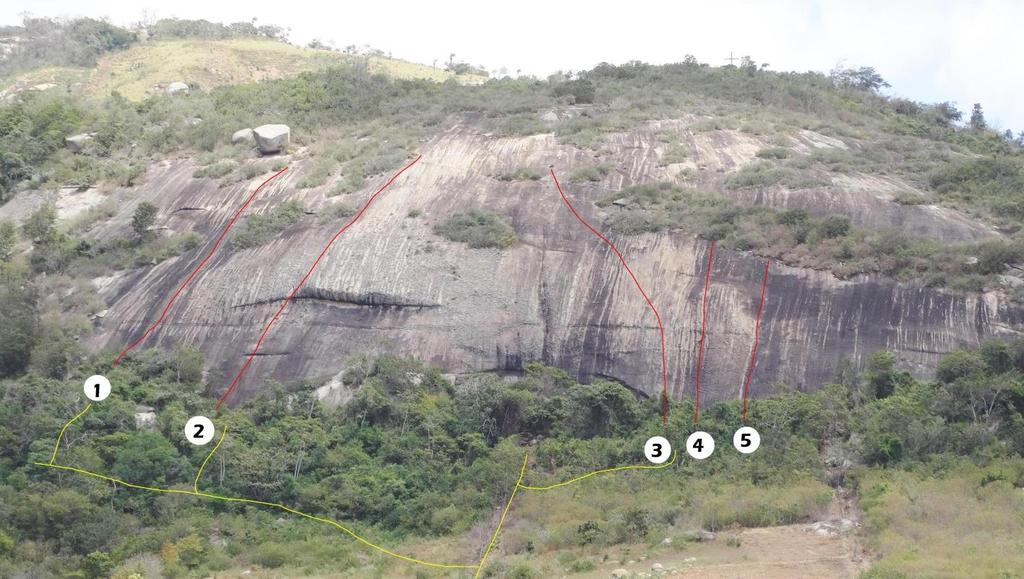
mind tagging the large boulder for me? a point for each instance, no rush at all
(272, 138)
(77, 143)
(176, 88)
(243, 137)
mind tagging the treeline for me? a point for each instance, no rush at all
(41, 41)
(60, 42)
(171, 28)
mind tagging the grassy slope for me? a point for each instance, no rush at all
(206, 63)
(955, 525)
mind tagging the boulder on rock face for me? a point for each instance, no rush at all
(243, 137)
(272, 138)
(76, 143)
(176, 88)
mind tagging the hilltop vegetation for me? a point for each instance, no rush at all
(96, 58)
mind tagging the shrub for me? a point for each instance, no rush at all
(593, 174)
(216, 170)
(335, 211)
(477, 229)
(520, 174)
(260, 229)
(272, 555)
(765, 175)
(774, 153)
(835, 226)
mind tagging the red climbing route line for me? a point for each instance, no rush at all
(302, 282)
(195, 271)
(657, 316)
(757, 332)
(703, 326)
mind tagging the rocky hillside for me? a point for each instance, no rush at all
(393, 283)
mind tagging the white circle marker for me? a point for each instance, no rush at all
(700, 445)
(746, 439)
(97, 388)
(657, 449)
(199, 430)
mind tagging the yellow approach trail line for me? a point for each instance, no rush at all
(53, 456)
(478, 568)
(208, 457)
(497, 530)
(602, 471)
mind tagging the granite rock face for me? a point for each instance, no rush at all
(390, 285)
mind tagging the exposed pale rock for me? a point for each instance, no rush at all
(243, 137)
(272, 138)
(176, 88)
(145, 417)
(77, 143)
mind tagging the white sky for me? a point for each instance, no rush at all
(930, 50)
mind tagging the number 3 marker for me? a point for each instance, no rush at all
(657, 449)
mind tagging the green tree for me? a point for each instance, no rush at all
(19, 312)
(8, 239)
(978, 118)
(188, 364)
(835, 226)
(882, 374)
(146, 457)
(997, 355)
(601, 409)
(863, 78)
(39, 227)
(959, 364)
(97, 564)
(143, 218)
(191, 552)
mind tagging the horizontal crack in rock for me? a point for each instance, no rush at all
(370, 300)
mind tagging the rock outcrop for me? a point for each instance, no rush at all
(176, 88)
(243, 137)
(271, 138)
(78, 143)
(390, 284)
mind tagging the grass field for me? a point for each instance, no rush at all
(965, 523)
(206, 64)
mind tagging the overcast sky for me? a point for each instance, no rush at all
(930, 50)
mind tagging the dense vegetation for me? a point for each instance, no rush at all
(261, 228)
(413, 456)
(81, 41)
(55, 42)
(477, 229)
